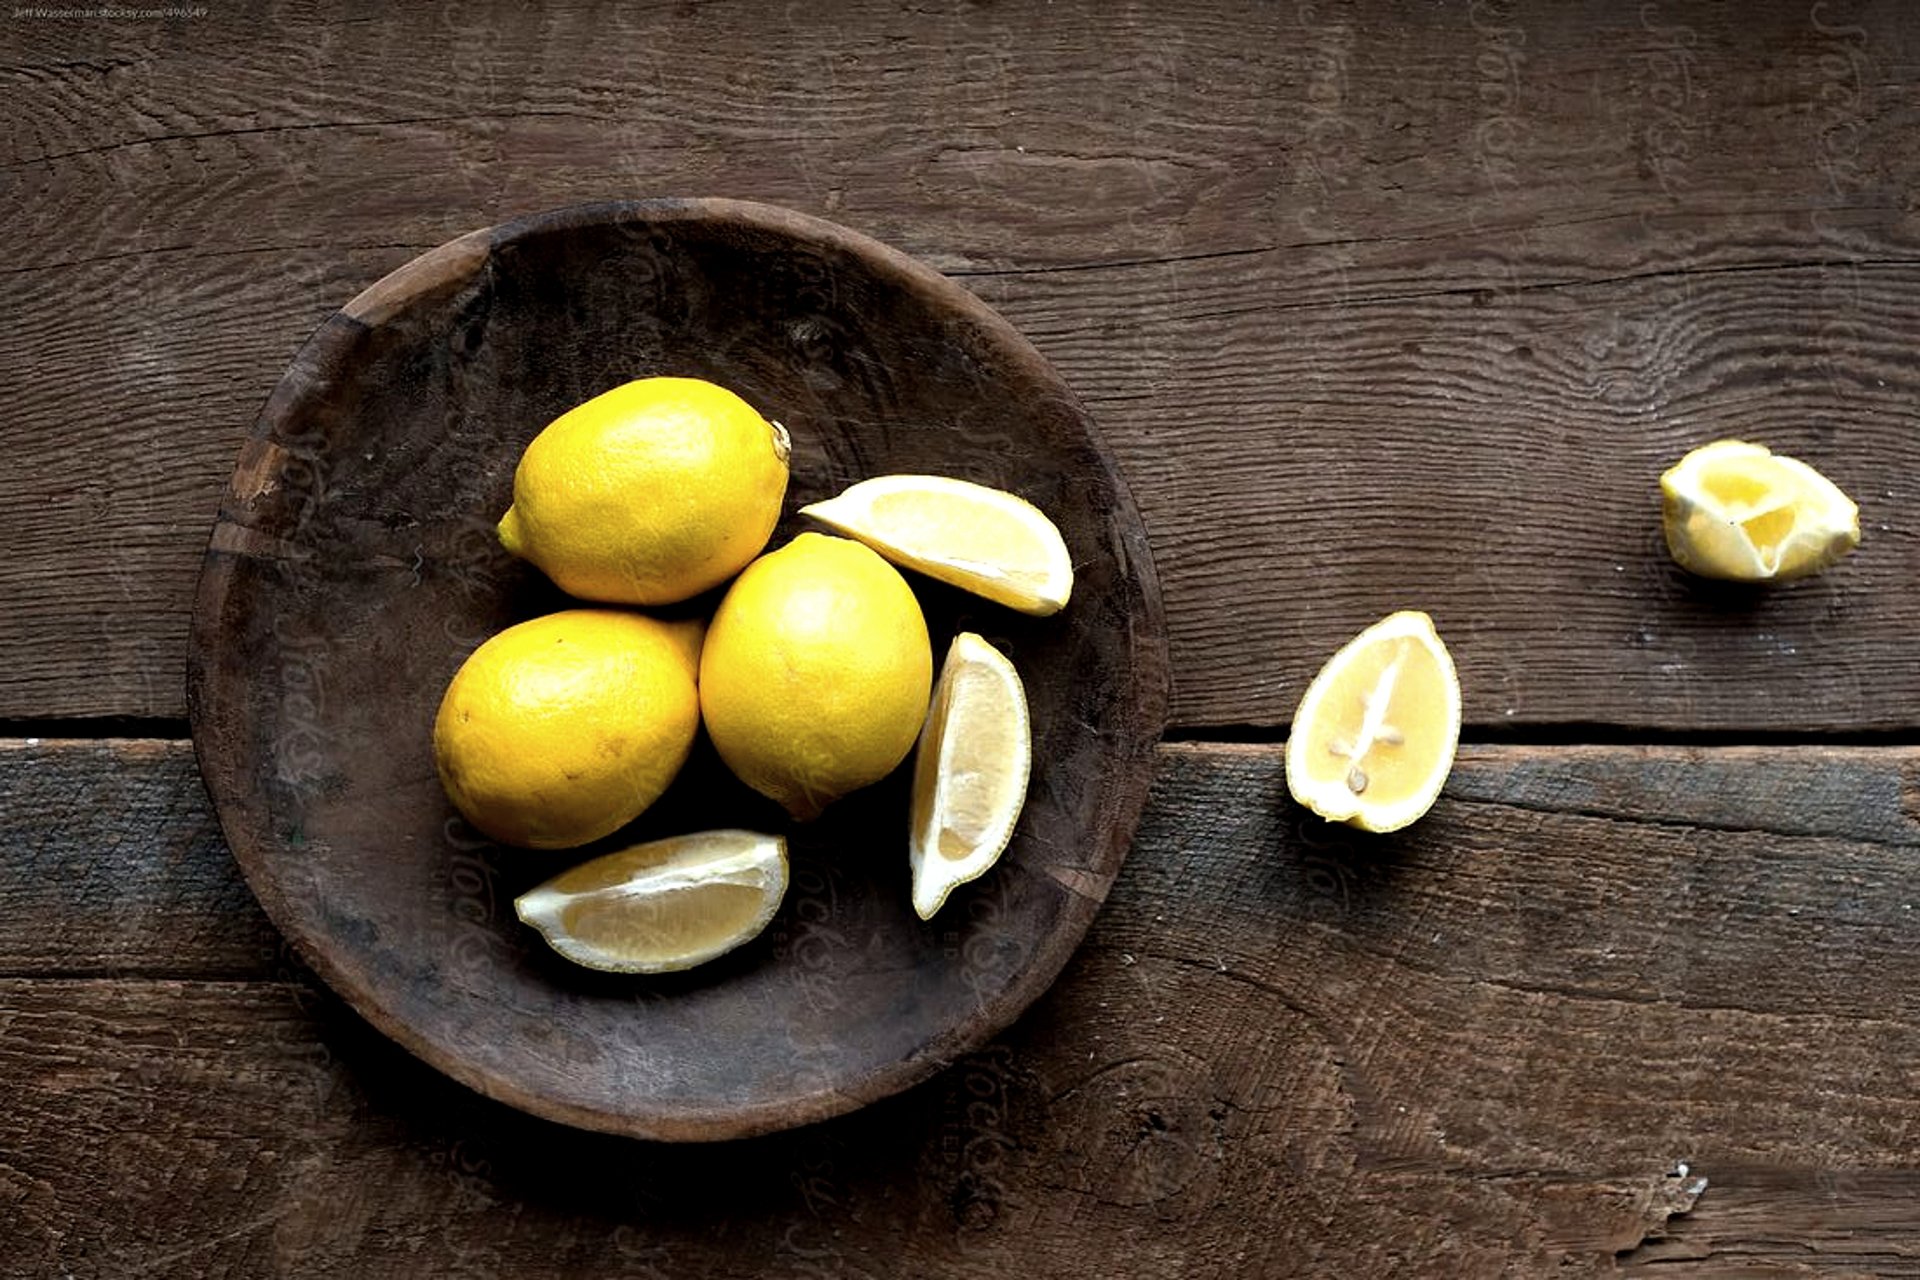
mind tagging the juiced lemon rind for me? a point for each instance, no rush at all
(1738, 512)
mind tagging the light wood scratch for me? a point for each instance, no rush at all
(155, 1262)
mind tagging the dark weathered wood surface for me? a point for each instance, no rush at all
(1375, 301)
(1483, 1046)
(1379, 303)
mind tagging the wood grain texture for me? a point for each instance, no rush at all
(114, 866)
(1480, 1047)
(1377, 302)
(1374, 301)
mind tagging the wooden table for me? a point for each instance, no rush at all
(1380, 304)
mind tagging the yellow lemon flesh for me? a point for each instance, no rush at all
(815, 674)
(1741, 512)
(1374, 737)
(649, 493)
(969, 771)
(662, 906)
(563, 729)
(987, 541)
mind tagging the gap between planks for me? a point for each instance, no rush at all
(1575, 734)
(155, 729)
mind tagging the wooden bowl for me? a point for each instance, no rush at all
(353, 566)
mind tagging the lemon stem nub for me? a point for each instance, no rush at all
(509, 531)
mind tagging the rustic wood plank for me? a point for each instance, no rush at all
(1482, 1045)
(113, 865)
(253, 1130)
(1850, 1222)
(1475, 273)
(1190, 130)
(116, 867)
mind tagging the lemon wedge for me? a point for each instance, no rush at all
(987, 541)
(1741, 512)
(662, 906)
(1374, 737)
(969, 771)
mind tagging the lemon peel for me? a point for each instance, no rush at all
(649, 493)
(565, 728)
(816, 671)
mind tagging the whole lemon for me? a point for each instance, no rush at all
(649, 493)
(816, 672)
(563, 729)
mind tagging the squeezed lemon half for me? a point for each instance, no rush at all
(1374, 736)
(970, 771)
(661, 906)
(1741, 512)
(980, 539)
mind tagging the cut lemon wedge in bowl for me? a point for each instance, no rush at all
(984, 540)
(1741, 512)
(969, 772)
(1374, 737)
(662, 906)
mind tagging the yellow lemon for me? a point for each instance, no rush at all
(988, 541)
(649, 493)
(1741, 512)
(969, 772)
(1373, 740)
(816, 671)
(662, 906)
(561, 730)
